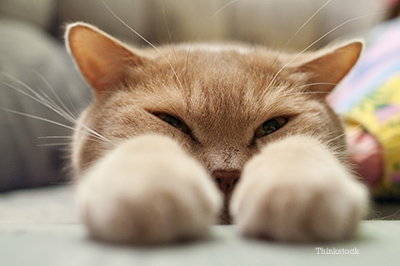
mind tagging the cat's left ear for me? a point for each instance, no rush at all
(329, 66)
(102, 60)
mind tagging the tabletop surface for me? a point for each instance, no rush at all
(376, 243)
(40, 227)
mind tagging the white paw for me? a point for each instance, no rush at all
(295, 190)
(147, 191)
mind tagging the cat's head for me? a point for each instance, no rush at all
(221, 102)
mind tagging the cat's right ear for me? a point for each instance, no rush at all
(103, 60)
(328, 66)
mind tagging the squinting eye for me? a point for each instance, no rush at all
(175, 122)
(270, 126)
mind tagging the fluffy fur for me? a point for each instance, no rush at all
(142, 180)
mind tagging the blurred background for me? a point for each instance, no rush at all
(269, 22)
(32, 56)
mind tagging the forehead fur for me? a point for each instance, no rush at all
(217, 85)
(207, 78)
(223, 92)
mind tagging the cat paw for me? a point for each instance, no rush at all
(147, 191)
(297, 191)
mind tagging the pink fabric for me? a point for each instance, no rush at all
(366, 155)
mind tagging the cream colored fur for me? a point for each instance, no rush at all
(148, 190)
(303, 195)
(143, 180)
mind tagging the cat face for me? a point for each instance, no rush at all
(222, 103)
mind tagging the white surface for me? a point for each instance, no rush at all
(53, 245)
(49, 205)
(40, 227)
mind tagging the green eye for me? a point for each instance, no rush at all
(175, 122)
(270, 126)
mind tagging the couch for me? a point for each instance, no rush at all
(32, 55)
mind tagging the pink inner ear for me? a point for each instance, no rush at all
(102, 60)
(332, 66)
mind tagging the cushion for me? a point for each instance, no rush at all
(31, 59)
(369, 100)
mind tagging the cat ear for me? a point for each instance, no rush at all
(329, 66)
(103, 60)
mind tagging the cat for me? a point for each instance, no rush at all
(180, 137)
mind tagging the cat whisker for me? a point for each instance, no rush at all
(341, 135)
(50, 102)
(314, 84)
(311, 92)
(202, 30)
(316, 41)
(220, 10)
(92, 133)
(301, 27)
(144, 39)
(65, 137)
(169, 32)
(335, 132)
(293, 36)
(53, 144)
(54, 138)
(294, 90)
(38, 118)
(57, 98)
(42, 100)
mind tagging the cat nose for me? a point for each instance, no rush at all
(226, 180)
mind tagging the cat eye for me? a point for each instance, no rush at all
(270, 126)
(175, 122)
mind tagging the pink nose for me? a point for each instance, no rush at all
(226, 180)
